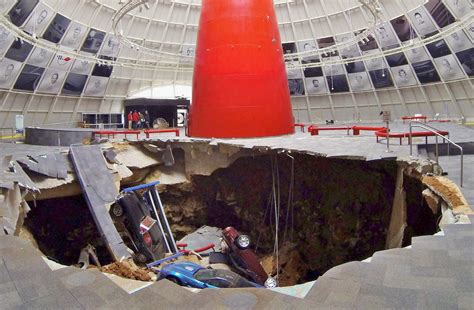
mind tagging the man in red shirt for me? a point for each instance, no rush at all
(135, 119)
(130, 119)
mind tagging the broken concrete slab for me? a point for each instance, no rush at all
(134, 156)
(52, 165)
(202, 237)
(99, 191)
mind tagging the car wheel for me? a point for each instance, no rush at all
(117, 210)
(243, 241)
(174, 280)
(270, 282)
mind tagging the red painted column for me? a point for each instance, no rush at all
(240, 88)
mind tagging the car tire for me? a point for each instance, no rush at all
(174, 280)
(242, 242)
(117, 210)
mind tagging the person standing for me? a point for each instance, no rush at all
(147, 119)
(135, 119)
(142, 120)
(130, 119)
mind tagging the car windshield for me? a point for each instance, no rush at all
(210, 276)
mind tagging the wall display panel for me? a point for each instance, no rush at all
(316, 85)
(374, 63)
(39, 19)
(93, 41)
(74, 35)
(61, 62)
(470, 31)
(403, 29)
(458, 41)
(74, 84)
(449, 68)
(337, 83)
(404, 76)
(350, 51)
(29, 78)
(292, 71)
(417, 54)
(313, 71)
(96, 86)
(40, 57)
(438, 49)
(296, 87)
(81, 66)
(106, 70)
(353, 67)
(111, 45)
(440, 13)
(421, 20)
(334, 69)
(186, 50)
(381, 78)
(55, 31)
(426, 72)
(385, 35)
(52, 81)
(396, 60)
(21, 11)
(466, 58)
(6, 39)
(9, 70)
(308, 46)
(19, 50)
(368, 44)
(359, 81)
(459, 7)
(289, 48)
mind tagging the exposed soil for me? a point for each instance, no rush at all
(446, 191)
(127, 270)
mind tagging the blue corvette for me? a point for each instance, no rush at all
(194, 275)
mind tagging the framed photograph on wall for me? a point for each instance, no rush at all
(296, 87)
(316, 85)
(29, 78)
(421, 21)
(96, 86)
(6, 39)
(360, 81)
(40, 57)
(52, 81)
(56, 29)
(21, 11)
(404, 76)
(449, 68)
(74, 35)
(39, 19)
(386, 35)
(9, 70)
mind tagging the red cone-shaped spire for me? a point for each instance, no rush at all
(240, 88)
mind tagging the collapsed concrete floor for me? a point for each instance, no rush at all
(331, 211)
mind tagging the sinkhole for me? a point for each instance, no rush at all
(323, 211)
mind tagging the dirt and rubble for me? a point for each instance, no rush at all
(128, 270)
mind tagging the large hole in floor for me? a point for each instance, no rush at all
(331, 211)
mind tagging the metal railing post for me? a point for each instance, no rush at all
(437, 134)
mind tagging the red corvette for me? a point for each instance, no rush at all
(244, 259)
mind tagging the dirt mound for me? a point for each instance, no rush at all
(127, 270)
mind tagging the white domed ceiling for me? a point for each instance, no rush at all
(70, 48)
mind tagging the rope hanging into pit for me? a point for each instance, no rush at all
(290, 207)
(276, 200)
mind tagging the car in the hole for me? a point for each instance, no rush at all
(133, 213)
(194, 275)
(244, 259)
